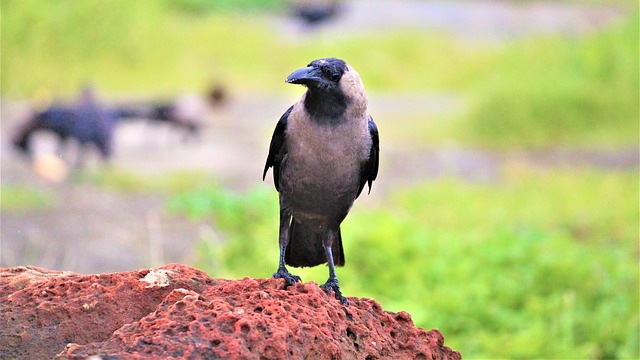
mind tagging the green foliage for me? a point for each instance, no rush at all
(240, 217)
(24, 198)
(561, 90)
(131, 47)
(534, 268)
(542, 265)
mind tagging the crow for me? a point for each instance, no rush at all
(87, 122)
(324, 150)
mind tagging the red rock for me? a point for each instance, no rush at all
(179, 312)
(43, 310)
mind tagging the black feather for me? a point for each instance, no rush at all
(326, 104)
(369, 169)
(277, 149)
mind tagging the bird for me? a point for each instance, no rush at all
(324, 150)
(86, 121)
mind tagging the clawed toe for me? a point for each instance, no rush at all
(289, 278)
(332, 285)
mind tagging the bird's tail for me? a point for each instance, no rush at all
(305, 247)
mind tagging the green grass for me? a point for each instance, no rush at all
(561, 90)
(207, 6)
(132, 47)
(541, 265)
(20, 198)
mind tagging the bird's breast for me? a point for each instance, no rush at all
(327, 150)
(323, 164)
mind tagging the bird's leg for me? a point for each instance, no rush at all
(332, 282)
(283, 273)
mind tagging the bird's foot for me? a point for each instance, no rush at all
(332, 285)
(289, 278)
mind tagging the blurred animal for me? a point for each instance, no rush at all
(86, 122)
(323, 151)
(314, 12)
(188, 112)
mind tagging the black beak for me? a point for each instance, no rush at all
(305, 76)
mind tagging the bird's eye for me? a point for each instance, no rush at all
(335, 76)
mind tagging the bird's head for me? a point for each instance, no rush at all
(334, 84)
(322, 73)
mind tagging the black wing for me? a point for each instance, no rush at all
(369, 169)
(277, 149)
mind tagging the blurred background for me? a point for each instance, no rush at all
(134, 134)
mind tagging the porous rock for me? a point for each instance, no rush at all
(179, 312)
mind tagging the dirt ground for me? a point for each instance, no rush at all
(91, 229)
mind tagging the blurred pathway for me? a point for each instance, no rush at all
(469, 19)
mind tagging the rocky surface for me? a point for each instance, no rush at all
(179, 312)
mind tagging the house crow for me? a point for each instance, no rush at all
(323, 151)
